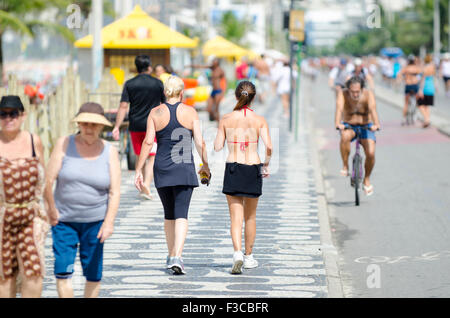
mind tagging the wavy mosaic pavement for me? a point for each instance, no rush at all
(287, 242)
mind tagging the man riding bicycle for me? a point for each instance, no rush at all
(410, 73)
(356, 110)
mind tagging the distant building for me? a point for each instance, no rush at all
(327, 21)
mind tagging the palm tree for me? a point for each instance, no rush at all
(19, 16)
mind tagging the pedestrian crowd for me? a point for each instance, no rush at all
(420, 77)
(76, 194)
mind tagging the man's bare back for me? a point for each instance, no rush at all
(262, 67)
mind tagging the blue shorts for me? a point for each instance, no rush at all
(67, 236)
(411, 89)
(365, 133)
(216, 92)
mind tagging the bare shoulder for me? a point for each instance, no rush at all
(261, 120)
(157, 111)
(112, 148)
(188, 109)
(37, 140)
(226, 117)
(369, 93)
(62, 143)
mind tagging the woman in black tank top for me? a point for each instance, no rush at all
(174, 168)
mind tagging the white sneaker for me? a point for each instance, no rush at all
(238, 261)
(250, 262)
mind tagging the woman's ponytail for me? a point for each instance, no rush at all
(245, 92)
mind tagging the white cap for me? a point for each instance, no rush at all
(358, 62)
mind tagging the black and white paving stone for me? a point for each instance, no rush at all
(287, 245)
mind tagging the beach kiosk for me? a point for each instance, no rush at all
(124, 39)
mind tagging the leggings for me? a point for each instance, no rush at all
(175, 200)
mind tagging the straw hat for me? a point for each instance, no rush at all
(92, 113)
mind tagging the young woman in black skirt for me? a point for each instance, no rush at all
(242, 184)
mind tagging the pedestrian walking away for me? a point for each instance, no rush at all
(242, 184)
(84, 204)
(444, 70)
(284, 86)
(263, 77)
(23, 221)
(174, 125)
(140, 94)
(217, 93)
(427, 90)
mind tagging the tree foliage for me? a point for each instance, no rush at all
(234, 29)
(411, 30)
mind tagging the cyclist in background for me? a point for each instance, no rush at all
(410, 73)
(362, 72)
(338, 76)
(355, 106)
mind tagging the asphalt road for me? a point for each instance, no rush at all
(396, 243)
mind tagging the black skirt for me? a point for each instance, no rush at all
(242, 180)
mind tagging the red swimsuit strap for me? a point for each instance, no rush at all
(245, 110)
(244, 143)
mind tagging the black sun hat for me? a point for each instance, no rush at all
(12, 101)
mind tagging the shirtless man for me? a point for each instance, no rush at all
(410, 73)
(263, 77)
(357, 107)
(217, 94)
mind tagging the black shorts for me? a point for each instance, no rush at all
(242, 180)
(176, 201)
(427, 100)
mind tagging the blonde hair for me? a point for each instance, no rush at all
(173, 86)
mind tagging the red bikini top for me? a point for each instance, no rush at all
(244, 144)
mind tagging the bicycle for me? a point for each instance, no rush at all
(357, 161)
(412, 109)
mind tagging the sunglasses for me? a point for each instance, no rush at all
(12, 114)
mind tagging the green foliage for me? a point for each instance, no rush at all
(411, 29)
(234, 29)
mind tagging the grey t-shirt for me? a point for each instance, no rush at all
(82, 187)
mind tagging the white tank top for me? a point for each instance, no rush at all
(446, 68)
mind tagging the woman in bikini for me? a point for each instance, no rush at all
(244, 171)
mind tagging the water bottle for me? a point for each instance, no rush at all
(204, 179)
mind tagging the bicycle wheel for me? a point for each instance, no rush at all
(357, 176)
(411, 111)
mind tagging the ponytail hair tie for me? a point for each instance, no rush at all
(244, 93)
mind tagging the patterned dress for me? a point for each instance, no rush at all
(23, 221)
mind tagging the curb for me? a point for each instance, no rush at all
(329, 251)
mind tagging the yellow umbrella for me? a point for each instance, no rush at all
(221, 47)
(138, 31)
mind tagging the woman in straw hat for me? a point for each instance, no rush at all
(84, 204)
(23, 222)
